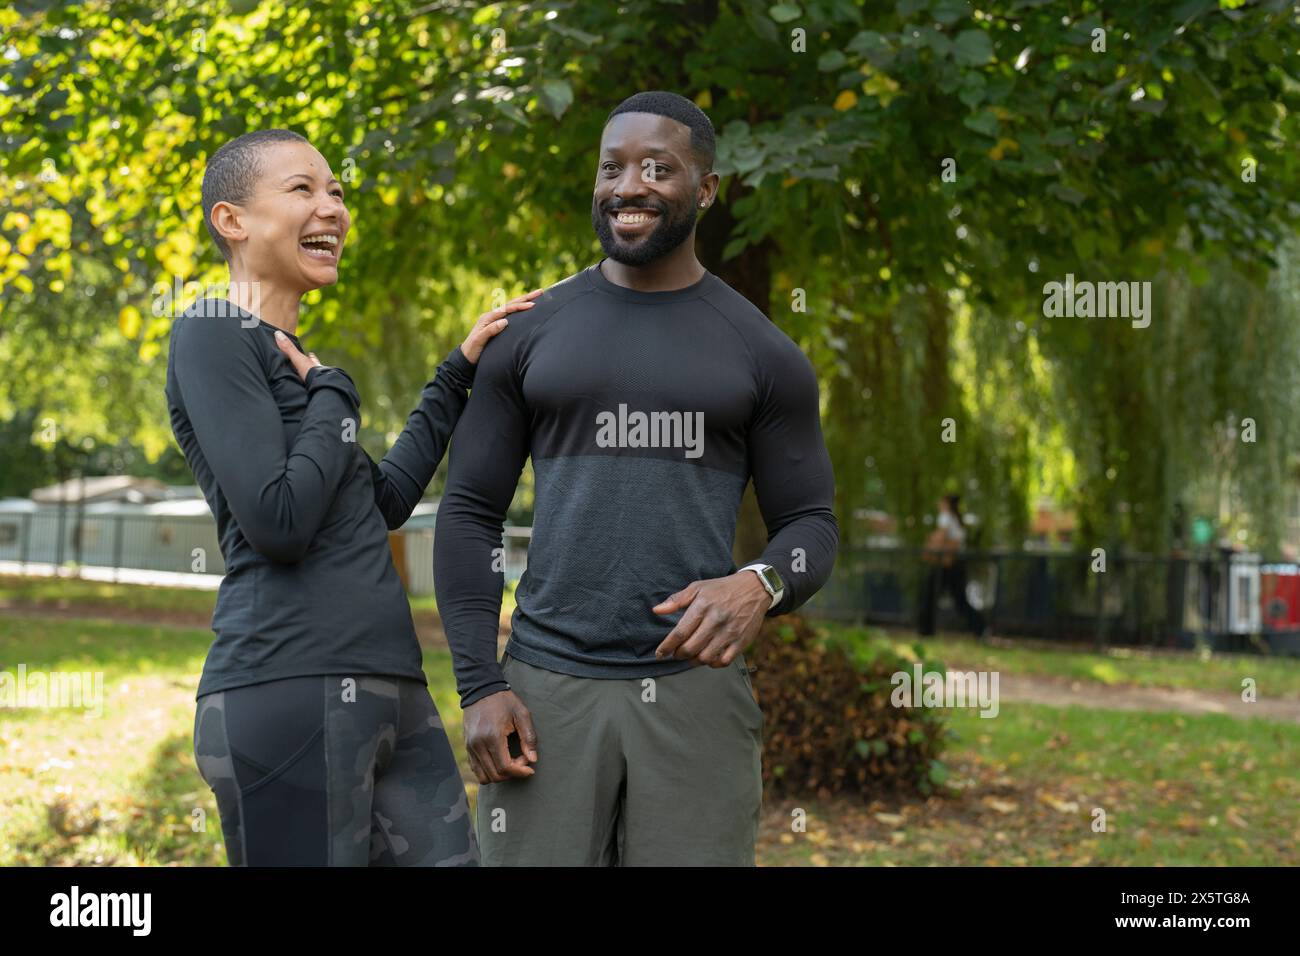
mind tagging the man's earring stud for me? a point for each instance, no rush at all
(703, 204)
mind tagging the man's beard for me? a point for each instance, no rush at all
(669, 233)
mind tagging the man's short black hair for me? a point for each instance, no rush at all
(661, 103)
(233, 171)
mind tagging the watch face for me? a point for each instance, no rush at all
(772, 578)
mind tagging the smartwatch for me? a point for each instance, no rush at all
(771, 580)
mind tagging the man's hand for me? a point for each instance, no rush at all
(490, 323)
(723, 617)
(488, 723)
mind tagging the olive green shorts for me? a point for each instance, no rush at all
(659, 771)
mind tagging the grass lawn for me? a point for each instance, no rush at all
(18, 592)
(1176, 791)
(122, 788)
(1276, 676)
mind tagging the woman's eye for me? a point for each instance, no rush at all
(303, 186)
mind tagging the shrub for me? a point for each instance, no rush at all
(828, 723)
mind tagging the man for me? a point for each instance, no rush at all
(648, 393)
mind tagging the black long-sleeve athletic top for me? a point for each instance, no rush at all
(302, 512)
(645, 414)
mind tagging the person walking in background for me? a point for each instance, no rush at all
(947, 569)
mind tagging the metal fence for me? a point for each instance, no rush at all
(1215, 600)
(1212, 600)
(177, 544)
(180, 545)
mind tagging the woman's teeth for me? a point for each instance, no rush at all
(321, 247)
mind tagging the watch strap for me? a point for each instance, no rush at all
(758, 568)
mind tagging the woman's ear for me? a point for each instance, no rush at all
(226, 219)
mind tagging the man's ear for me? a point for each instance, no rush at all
(226, 219)
(708, 190)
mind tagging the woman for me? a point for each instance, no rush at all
(314, 726)
(948, 569)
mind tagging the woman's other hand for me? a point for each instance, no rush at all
(490, 323)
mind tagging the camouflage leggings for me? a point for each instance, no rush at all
(334, 771)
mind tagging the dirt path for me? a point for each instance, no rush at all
(1062, 692)
(1012, 688)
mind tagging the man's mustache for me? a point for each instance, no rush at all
(616, 204)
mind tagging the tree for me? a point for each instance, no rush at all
(911, 175)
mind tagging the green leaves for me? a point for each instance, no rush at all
(949, 12)
(984, 122)
(557, 95)
(874, 47)
(972, 48)
(784, 12)
(831, 60)
(473, 131)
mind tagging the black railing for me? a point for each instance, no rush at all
(1140, 600)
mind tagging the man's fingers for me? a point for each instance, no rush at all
(507, 765)
(714, 654)
(485, 751)
(681, 633)
(477, 768)
(493, 749)
(675, 602)
(527, 732)
(701, 638)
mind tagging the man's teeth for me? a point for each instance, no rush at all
(634, 217)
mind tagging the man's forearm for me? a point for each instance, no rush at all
(468, 588)
(803, 553)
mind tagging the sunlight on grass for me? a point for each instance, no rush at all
(123, 789)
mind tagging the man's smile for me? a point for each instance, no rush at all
(632, 221)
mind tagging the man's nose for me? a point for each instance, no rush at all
(631, 184)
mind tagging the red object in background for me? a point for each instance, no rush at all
(1279, 597)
